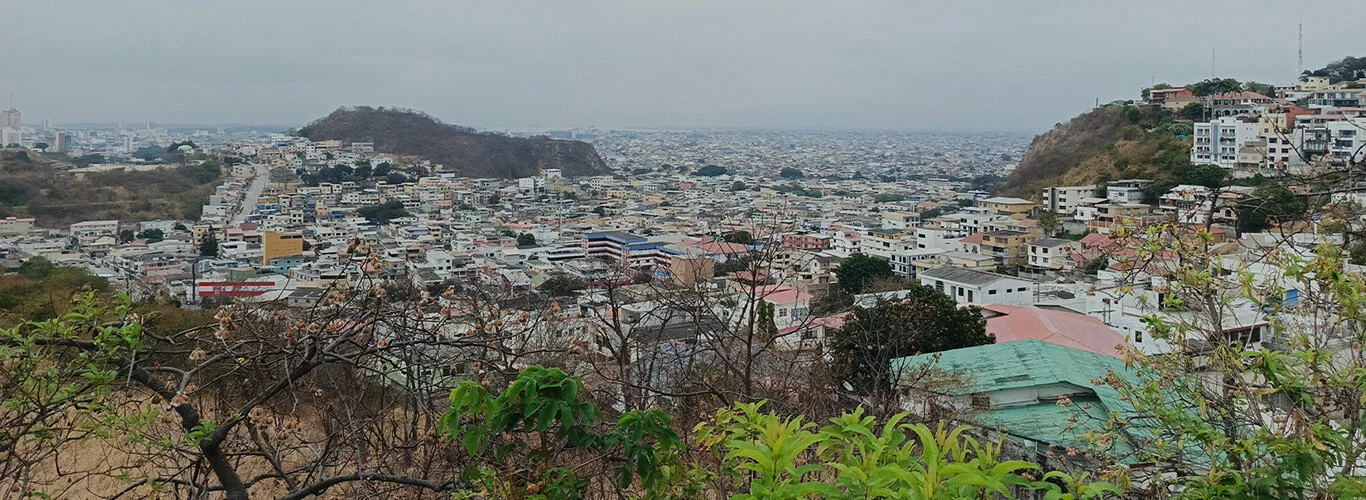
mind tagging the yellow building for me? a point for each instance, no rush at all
(276, 245)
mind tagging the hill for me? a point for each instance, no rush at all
(1111, 142)
(40, 186)
(461, 149)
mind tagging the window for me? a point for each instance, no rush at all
(991, 292)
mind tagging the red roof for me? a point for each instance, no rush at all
(975, 239)
(1012, 323)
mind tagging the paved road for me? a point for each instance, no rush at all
(253, 195)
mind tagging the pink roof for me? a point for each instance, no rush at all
(975, 238)
(747, 276)
(721, 247)
(1012, 323)
(781, 294)
(833, 322)
(1097, 240)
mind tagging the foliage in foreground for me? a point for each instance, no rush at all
(537, 439)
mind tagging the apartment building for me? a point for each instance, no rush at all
(1008, 248)
(1217, 142)
(629, 250)
(1337, 98)
(277, 245)
(1239, 103)
(1051, 255)
(1014, 207)
(14, 226)
(1111, 216)
(1065, 199)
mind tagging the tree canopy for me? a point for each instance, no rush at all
(383, 213)
(711, 171)
(925, 321)
(526, 240)
(1270, 204)
(855, 273)
(790, 173)
(742, 237)
(1342, 70)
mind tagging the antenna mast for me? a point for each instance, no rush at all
(1299, 69)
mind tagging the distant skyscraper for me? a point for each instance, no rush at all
(10, 136)
(11, 118)
(61, 142)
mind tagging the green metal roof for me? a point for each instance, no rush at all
(1020, 364)
(1035, 363)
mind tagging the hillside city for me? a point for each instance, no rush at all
(798, 232)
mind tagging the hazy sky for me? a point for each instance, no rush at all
(1010, 65)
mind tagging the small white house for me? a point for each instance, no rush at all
(970, 286)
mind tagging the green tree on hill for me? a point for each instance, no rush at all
(152, 235)
(383, 213)
(1050, 222)
(741, 237)
(1267, 205)
(1261, 88)
(208, 247)
(711, 171)
(1215, 86)
(925, 321)
(855, 273)
(1342, 70)
(526, 240)
(790, 173)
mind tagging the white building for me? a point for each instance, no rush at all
(10, 136)
(95, 228)
(1126, 191)
(14, 226)
(1217, 142)
(1065, 199)
(1051, 254)
(969, 286)
(945, 240)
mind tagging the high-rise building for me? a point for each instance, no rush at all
(10, 136)
(61, 142)
(11, 118)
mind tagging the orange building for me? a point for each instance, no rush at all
(276, 245)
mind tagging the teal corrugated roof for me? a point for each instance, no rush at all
(1013, 365)
(1033, 363)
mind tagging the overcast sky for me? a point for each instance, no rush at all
(1009, 65)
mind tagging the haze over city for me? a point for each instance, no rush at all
(1007, 66)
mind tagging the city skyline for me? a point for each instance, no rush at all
(787, 66)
